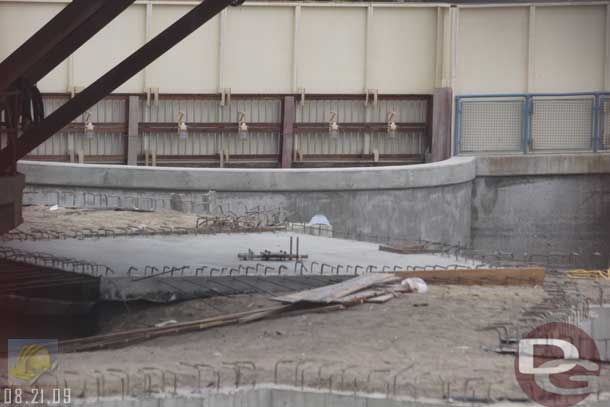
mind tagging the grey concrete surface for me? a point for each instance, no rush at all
(454, 171)
(220, 251)
(547, 164)
(534, 203)
(542, 214)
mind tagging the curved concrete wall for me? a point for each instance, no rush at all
(550, 203)
(427, 201)
(449, 172)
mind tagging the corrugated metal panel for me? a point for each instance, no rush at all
(318, 111)
(56, 145)
(101, 144)
(211, 144)
(166, 111)
(354, 143)
(210, 111)
(401, 143)
(354, 111)
(52, 103)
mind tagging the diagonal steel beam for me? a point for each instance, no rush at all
(43, 41)
(78, 37)
(175, 33)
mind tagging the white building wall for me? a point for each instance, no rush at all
(341, 48)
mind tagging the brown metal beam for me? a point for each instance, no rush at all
(45, 39)
(288, 119)
(84, 32)
(116, 77)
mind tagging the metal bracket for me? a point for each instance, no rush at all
(375, 93)
(225, 97)
(154, 92)
(302, 92)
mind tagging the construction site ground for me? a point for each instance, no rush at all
(439, 337)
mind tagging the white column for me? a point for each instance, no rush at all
(531, 50)
(222, 22)
(296, 27)
(147, 37)
(607, 60)
(440, 45)
(368, 46)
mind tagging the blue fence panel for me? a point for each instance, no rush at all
(536, 122)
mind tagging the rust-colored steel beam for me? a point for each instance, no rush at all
(133, 64)
(45, 39)
(84, 32)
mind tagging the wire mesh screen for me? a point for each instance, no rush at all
(604, 123)
(491, 125)
(562, 124)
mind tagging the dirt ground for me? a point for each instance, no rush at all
(440, 336)
(425, 343)
(41, 218)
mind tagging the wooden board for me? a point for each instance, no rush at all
(405, 248)
(334, 292)
(381, 299)
(502, 276)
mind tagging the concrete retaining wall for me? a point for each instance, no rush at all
(542, 204)
(553, 203)
(427, 201)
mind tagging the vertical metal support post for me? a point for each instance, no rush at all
(596, 123)
(288, 119)
(12, 131)
(458, 125)
(526, 123)
(441, 124)
(133, 121)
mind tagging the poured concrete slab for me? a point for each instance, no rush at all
(220, 251)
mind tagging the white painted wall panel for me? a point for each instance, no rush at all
(18, 21)
(331, 50)
(258, 53)
(192, 65)
(403, 52)
(491, 56)
(492, 50)
(107, 48)
(569, 48)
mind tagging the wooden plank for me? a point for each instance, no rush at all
(502, 276)
(381, 299)
(335, 292)
(405, 249)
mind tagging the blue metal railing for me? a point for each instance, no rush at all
(528, 102)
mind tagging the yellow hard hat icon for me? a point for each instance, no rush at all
(31, 362)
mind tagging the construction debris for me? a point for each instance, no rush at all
(595, 274)
(267, 255)
(499, 276)
(336, 292)
(407, 249)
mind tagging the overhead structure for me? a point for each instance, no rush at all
(20, 100)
